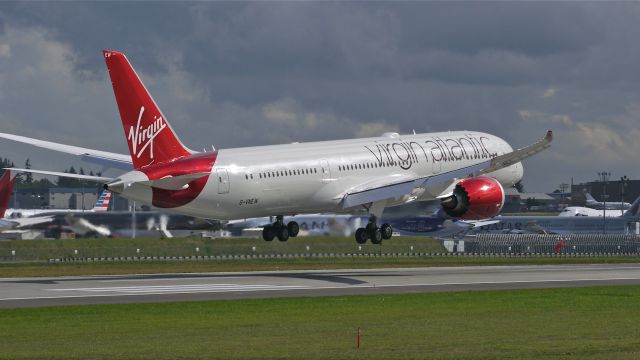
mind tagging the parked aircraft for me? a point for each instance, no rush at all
(609, 205)
(465, 170)
(628, 223)
(20, 218)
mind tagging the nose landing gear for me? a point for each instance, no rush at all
(280, 230)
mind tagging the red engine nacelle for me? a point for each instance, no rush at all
(475, 199)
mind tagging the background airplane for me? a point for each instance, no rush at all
(21, 218)
(465, 170)
(609, 205)
(628, 223)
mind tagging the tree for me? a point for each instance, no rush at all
(28, 177)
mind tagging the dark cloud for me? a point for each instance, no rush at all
(236, 74)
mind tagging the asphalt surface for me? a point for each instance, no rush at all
(33, 292)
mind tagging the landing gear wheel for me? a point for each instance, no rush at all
(376, 236)
(361, 236)
(371, 227)
(386, 231)
(268, 233)
(282, 233)
(293, 228)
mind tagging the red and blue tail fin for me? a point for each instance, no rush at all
(149, 136)
(103, 202)
(7, 181)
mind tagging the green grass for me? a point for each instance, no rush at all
(30, 250)
(154, 267)
(600, 322)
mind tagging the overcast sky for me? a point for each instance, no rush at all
(236, 74)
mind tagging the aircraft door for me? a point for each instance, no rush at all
(223, 181)
(326, 171)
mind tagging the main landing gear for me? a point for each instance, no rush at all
(280, 230)
(373, 232)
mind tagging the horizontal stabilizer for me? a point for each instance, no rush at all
(63, 174)
(104, 158)
(174, 182)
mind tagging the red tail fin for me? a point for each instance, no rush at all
(7, 181)
(149, 136)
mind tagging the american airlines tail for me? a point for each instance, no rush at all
(149, 135)
(103, 202)
(7, 181)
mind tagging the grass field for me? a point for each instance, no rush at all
(103, 247)
(600, 322)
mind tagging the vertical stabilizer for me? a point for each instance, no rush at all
(634, 210)
(149, 136)
(103, 202)
(7, 181)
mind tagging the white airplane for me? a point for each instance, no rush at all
(609, 205)
(7, 181)
(587, 211)
(19, 218)
(466, 170)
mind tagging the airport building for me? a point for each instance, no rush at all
(616, 191)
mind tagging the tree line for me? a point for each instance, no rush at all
(26, 180)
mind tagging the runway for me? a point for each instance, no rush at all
(33, 292)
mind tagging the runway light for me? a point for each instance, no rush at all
(75, 251)
(137, 251)
(197, 249)
(13, 252)
(411, 247)
(359, 248)
(308, 247)
(253, 248)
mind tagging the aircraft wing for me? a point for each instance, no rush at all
(104, 158)
(63, 174)
(28, 221)
(395, 186)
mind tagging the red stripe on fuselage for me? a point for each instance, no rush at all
(202, 162)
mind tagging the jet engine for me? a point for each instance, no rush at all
(475, 199)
